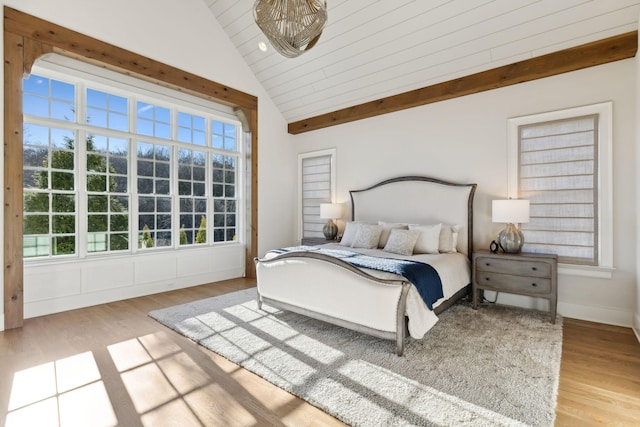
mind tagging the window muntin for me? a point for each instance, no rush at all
(223, 136)
(191, 129)
(107, 110)
(153, 120)
(49, 98)
(119, 171)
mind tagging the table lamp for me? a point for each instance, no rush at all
(511, 212)
(330, 211)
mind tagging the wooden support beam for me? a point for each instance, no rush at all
(576, 58)
(13, 263)
(249, 119)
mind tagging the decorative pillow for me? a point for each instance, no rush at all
(429, 240)
(401, 241)
(350, 230)
(367, 236)
(386, 230)
(449, 238)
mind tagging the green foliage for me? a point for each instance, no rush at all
(64, 245)
(119, 242)
(201, 237)
(183, 236)
(147, 240)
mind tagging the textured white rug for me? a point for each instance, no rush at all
(491, 366)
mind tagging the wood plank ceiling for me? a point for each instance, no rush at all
(375, 49)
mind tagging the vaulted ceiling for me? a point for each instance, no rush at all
(374, 49)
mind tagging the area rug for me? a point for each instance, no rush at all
(487, 367)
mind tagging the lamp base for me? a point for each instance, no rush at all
(330, 230)
(511, 239)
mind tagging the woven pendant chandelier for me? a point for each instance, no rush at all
(292, 26)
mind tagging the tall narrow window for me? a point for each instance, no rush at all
(563, 169)
(224, 172)
(49, 153)
(107, 193)
(193, 196)
(559, 175)
(50, 203)
(317, 185)
(154, 195)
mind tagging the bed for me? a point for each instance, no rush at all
(341, 283)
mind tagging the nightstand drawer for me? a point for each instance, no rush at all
(511, 283)
(510, 266)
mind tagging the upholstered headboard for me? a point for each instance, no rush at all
(418, 200)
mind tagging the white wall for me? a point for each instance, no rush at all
(183, 34)
(465, 139)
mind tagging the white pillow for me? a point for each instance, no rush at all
(449, 238)
(386, 230)
(350, 230)
(367, 236)
(401, 241)
(429, 240)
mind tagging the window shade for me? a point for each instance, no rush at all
(558, 173)
(316, 189)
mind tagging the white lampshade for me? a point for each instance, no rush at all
(512, 211)
(330, 210)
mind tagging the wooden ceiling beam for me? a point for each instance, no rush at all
(79, 46)
(612, 49)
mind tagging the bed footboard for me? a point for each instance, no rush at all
(329, 289)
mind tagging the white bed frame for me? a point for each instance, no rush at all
(326, 287)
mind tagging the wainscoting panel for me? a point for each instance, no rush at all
(54, 287)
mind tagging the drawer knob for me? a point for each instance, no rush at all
(487, 279)
(487, 264)
(534, 284)
(534, 268)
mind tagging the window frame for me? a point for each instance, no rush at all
(332, 153)
(86, 76)
(604, 191)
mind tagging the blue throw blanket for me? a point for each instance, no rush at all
(425, 278)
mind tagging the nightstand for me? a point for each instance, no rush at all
(314, 241)
(534, 275)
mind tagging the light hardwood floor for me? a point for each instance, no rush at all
(112, 364)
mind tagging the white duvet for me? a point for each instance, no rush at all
(454, 270)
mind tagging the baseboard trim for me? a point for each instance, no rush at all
(1, 321)
(636, 325)
(590, 313)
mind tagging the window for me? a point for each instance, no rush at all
(154, 194)
(50, 200)
(316, 175)
(561, 162)
(151, 170)
(107, 189)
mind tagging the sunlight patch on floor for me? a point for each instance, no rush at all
(165, 384)
(66, 392)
